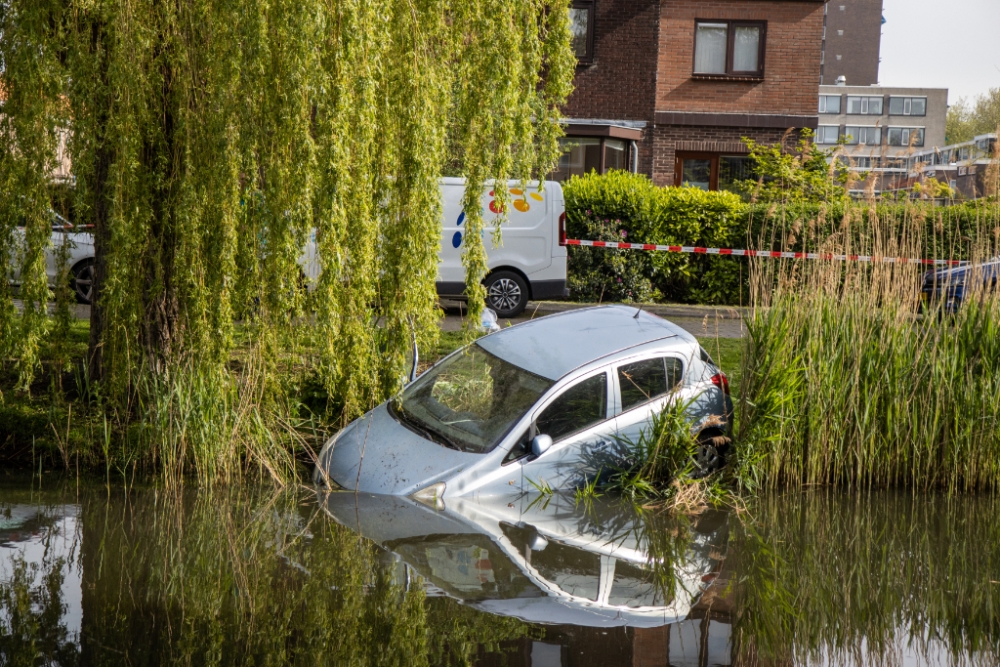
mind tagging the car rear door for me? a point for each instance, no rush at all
(645, 387)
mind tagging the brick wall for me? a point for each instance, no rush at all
(621, 82)
(668, 139)
(858, 48)
(791, 61)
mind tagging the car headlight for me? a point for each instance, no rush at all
(431, 495)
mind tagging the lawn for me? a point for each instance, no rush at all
(726, 352)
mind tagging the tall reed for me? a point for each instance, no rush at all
(843, 381)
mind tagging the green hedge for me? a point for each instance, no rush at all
(622, 206)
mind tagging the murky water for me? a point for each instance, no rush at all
(92, 577)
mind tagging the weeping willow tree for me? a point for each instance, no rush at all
(211, 139)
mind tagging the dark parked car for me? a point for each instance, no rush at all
(949, 287)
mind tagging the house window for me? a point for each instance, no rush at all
(581, 29)
(712, 171)
(866, 106)
(582, 155)
(907, 106)
(729, 48)
(870, 162)
(867, 136)
(829, 103)
(906, 136)
(827, 134)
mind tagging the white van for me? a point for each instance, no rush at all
(529, 264)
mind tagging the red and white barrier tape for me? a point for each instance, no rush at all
(771, 254)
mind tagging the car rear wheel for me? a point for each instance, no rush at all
(83, 281)
(506, 293)
(711, 453)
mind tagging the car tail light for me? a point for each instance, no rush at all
(562, 228)
(721, 381)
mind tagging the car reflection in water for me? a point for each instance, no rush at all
(553, 561)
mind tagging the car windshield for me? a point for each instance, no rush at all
(470, 400)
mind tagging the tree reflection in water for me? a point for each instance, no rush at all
(868, 579)
(250, 577)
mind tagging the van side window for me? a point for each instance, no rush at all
(582, 405)
(648, 379)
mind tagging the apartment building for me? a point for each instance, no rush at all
(969, 169)
(881, 127)
(670, 88)
(852, 41)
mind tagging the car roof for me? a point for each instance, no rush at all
(555, 345)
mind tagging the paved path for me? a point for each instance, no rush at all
(725, 322)
(700, 320)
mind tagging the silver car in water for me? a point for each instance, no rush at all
(550, 403)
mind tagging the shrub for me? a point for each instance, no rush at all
(601, 274)
(620, 206)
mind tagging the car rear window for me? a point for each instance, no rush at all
(645, 380)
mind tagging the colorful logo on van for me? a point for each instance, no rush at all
(520, 204)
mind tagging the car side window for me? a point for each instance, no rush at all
(582, 405)
(643, 381)
(520, 449)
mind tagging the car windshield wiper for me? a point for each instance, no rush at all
(421, 428)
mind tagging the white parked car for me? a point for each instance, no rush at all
(81, 257)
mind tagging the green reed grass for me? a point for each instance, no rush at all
(663, 454)
(843, 382)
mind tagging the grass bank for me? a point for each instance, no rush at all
(56, 426)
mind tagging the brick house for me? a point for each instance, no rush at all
(668, 88)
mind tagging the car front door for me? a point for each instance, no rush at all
(579, 421)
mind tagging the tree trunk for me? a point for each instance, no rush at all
(102, 237)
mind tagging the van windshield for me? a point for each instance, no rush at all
(469, 401)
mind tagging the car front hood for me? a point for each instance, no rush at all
(392, 459)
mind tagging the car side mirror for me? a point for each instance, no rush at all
(540, 444)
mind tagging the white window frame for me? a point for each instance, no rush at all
(823, 103)
(905, 135)
(907, 105)
(865, 104)
(821, 137)
(859, 135)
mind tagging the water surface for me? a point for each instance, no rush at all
(90, 576)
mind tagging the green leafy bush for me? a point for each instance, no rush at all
(620, 206)
(602, 274)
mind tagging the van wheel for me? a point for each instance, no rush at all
(506, 293)
(83, 281)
